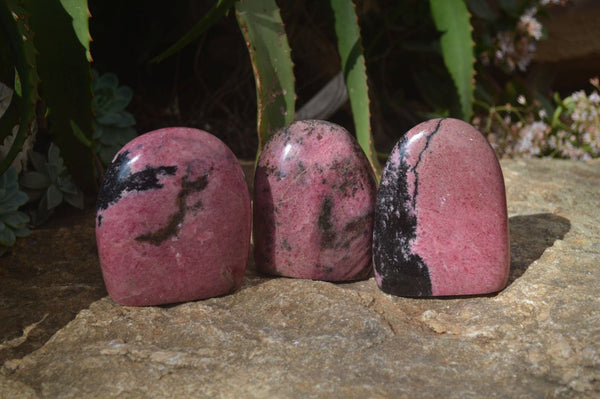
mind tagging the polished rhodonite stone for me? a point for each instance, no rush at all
(173, 219)
(441, 225)
(314, 193)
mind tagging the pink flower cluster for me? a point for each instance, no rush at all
(572, 132)
(514, 48)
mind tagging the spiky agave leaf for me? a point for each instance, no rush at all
(21, 51)
(452, 18)
(355, 75)
(218, 11)
(62, 40)
(262, 27)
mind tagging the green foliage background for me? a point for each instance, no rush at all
(50, 40)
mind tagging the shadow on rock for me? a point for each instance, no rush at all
(530, 235)
(45, 280)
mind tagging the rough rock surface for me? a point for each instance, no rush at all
(286, 338)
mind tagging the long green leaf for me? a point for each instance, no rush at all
(7, 65)
(262, 27)
(214, 15)
(79, 12)
(65, 73)
(355, 75)
(452, 18)
(13, 27)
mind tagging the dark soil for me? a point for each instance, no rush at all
(47, 278)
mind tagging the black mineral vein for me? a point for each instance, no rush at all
(173, 225)
(326, 225)
(119, 180)
(414, 168)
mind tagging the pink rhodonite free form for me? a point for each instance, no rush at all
(441, 225)
(314, 193)
(173, 219)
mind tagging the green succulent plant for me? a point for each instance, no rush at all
(13, 223)
(50, 183)
(113, 126)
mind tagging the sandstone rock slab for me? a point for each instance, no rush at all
(288, 338)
